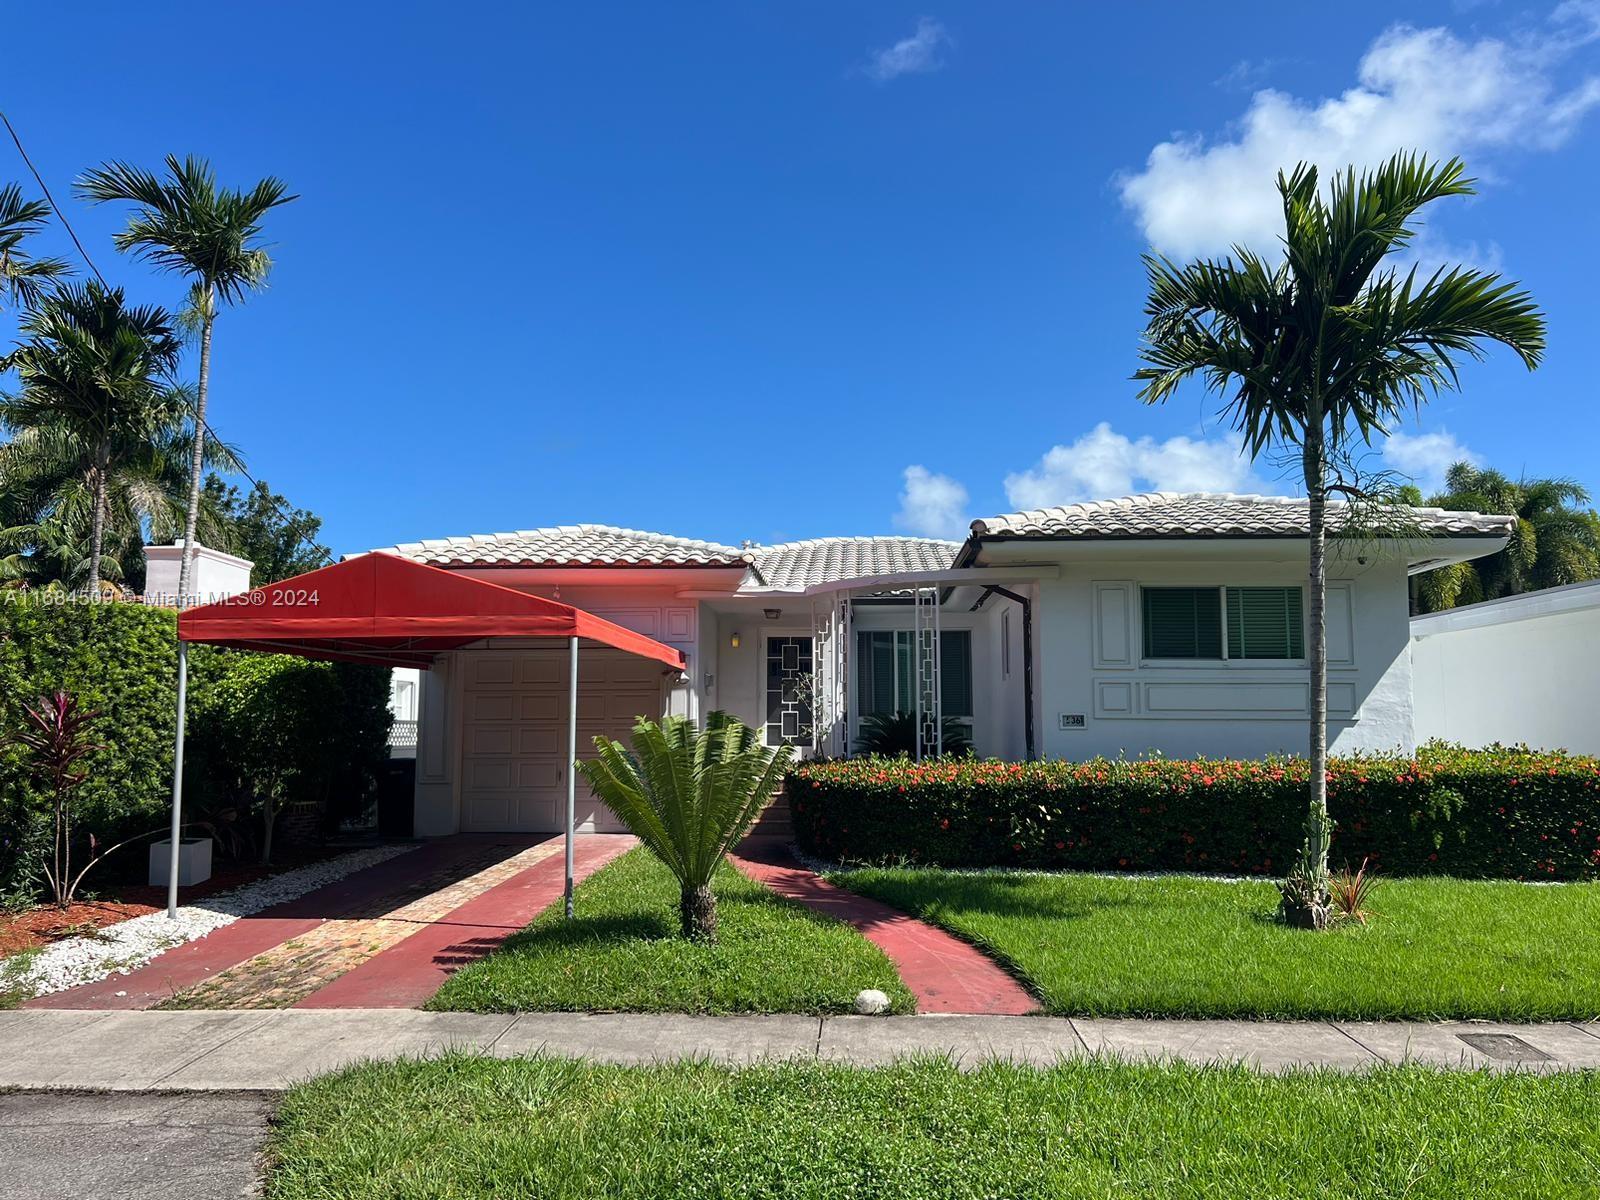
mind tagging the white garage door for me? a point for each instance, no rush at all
(514, 733)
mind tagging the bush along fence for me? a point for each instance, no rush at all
(324, 724)
(1506, 813)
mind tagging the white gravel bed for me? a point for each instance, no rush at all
(120, 948)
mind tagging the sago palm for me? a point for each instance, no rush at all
(22, 276)
(95, 388)
(211, 235)
(1322, 351)
(688, 794)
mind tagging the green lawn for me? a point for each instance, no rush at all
(472, 1128)
(624, 952)
(1180, 946)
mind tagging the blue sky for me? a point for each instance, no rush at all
(734, 270)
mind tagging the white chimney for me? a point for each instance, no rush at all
(215, 576)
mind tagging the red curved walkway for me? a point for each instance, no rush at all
(946, 974)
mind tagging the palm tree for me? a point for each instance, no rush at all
(211, 235)
(21, 275)
(46, 489)
(95, 389)
(1320, 352)
(688, 794)
(1555, 540)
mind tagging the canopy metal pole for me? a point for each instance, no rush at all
(177, 782)
(572, 760)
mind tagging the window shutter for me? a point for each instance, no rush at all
(1266, 622)
(876, 672)
(955, 672)
(1182, 622)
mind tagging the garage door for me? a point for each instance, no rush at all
(514, 733)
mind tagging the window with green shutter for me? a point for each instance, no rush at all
(1182, 622)
(884, 671)
(1266, 622)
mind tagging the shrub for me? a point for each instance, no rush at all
(117, 659)
(270, 730)
(1495, 813)
(121, 661)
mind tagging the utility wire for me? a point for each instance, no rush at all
(281, 514)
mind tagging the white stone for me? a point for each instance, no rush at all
(870, 1001)
(127, 945)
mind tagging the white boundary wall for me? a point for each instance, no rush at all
(1523, 669)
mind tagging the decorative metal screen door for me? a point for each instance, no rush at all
(790, 684)
(925, 674)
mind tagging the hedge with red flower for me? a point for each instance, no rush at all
(1503, 812)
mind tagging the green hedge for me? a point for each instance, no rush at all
(120, 660)
(1496, 813)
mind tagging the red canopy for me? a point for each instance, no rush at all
(393, 612)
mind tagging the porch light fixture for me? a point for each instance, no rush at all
(772, 614)
(734, 641)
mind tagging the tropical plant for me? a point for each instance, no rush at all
(1352, 892)
(1321, 352)
(23, 276)
(281, 541)
(95, 391)
(46, 503)
(1555, 541)
(58, 737)
(688, 794)
(211, 235)
(895, 734)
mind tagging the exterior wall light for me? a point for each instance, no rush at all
(734, 641)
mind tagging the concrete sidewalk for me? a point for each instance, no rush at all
(255, 1050)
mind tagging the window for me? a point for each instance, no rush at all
(1182, 622)
(1266, 622)
(886, 677)
(1189, 622)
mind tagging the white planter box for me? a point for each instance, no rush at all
(194, 861)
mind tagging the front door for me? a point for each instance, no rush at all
(789, 685)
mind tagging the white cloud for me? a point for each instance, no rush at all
(914, 55)
(932, 505)
(1417, 89)
(1425, 457)
(1103, 464)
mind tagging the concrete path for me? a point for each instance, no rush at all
(270, 1050)
(946, 974)
(149, 1146)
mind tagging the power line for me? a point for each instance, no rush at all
(200, 423)
(51, 200)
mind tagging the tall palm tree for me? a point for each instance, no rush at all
(95, 382)
(1556, 539)
(688, 794)
(211, 235)
(1320, 352)
(23, 276)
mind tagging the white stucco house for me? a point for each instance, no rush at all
(1160, 622)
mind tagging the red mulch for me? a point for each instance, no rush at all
(46, 923)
